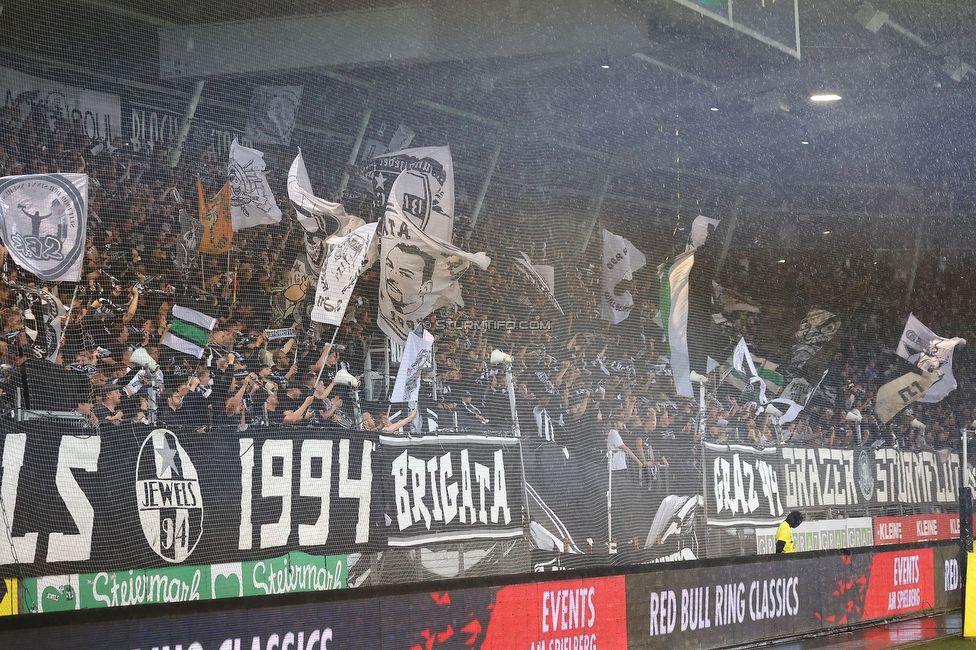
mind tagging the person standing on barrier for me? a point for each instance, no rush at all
(784, 534)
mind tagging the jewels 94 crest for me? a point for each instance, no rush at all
(168, 497)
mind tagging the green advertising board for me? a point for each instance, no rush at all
(291, 573)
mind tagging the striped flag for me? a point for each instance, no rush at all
(189, 331)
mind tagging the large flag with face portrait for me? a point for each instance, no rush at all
(43, 221)
(319, 218)
(251, 200)
(418, 273)
(426, 181)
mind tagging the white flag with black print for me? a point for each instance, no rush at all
(348, 258)
(271, 115)
(542, 277)
(425, 182)
(44, 221)
(251, 200)
(418, 273)
(620, 260)
(418, 353)
(320, 219)
(931, 353)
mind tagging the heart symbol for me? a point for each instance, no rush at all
(227, 586)
(58, 599)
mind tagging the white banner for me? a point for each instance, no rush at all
(620, 261)
(349, 257)
(931, 353)
(44, 220)
(417, 355)
(100, 113)
(251, 200)
(271, 116)
(418, 273)
(425, 181)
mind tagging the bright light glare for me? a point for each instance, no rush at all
(605, 66)
(827, 97)
(713, 109)
(804, 142)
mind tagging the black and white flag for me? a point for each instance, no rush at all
(271, 116)
(425, 178)
(418, 353)
(43, 221)
(319, 218)
(349, 257)
(816, 329)
(188, 243)
(620, 260)
(251, 200)
(931, 353)
(542, 277)
(42, 314)
(418, 273)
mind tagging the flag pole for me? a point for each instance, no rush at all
(354, 154)
(67, 317)
(331, 343)
(479, 202)
(191, 110)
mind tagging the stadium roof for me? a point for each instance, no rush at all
(634, 85)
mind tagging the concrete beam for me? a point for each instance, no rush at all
(442, 30)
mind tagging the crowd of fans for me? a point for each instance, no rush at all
(577, 377)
